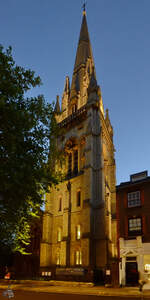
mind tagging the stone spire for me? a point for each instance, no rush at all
(108, 123)
(84, 50)
(66, 95)
(57, 105)
(84, 63)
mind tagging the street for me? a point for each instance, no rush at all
(27, 295)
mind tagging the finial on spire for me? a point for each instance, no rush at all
(84, 10)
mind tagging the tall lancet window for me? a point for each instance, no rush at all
(82, 153)
(60, 204)
(59, 234)
(58, 259)
(76, 162)
(78, 232)
(69, 164)
(78, 257)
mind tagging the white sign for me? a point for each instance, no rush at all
(8, 293)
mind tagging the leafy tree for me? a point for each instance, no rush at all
(28, 151)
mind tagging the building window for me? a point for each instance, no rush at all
(78, 257)
(74, 108)
(78, 232)
(59, 235)
(79, 198)
(76, 162)
(135, 226)
(60, 204)
(58, 259)
(134, 199)
(82, 153)
(69, 164)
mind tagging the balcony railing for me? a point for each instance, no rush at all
(75, 116)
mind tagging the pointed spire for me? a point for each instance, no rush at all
(67, 85)
(108, 123)
(84, 57)
(66, 95)
(84, 11)
(84, 50)
(57, 106)
(93, 83)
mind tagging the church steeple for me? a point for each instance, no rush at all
(88, 169)
(84, 50)
(84, 63)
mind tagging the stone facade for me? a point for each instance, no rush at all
(79, 225)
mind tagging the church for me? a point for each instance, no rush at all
(79, 240)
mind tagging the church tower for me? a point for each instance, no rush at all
(79, 225)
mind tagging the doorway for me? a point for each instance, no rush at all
(131, 273)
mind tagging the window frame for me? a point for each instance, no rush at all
(59, 234)
(70, 164)
(78, 232)
(74, 108)
(60, 204)
(75, 161)
(58, 259)
(135, 201)
(78, 200)
(78, 258)
(136, 229)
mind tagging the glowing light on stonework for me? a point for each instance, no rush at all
(147, 267)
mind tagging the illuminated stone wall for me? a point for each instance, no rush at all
(87, 141)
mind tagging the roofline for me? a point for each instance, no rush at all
(130, 183)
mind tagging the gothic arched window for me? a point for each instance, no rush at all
(60, 204)
(59, 237)
(79, 198)
(82, 153)
(69, 164)
(71, 149)
(78, 257)
(76, 162)
(74, 108)
(58, 259)
(78, 232)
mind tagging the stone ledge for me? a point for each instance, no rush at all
(4, 282)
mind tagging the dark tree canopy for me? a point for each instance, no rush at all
(27, 150)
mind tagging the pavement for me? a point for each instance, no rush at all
(73, 288)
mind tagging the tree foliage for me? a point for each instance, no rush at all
(28, 133)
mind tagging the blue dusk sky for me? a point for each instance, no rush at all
(44, 36)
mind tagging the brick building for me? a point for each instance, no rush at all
(133, 214)
(79, 224)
